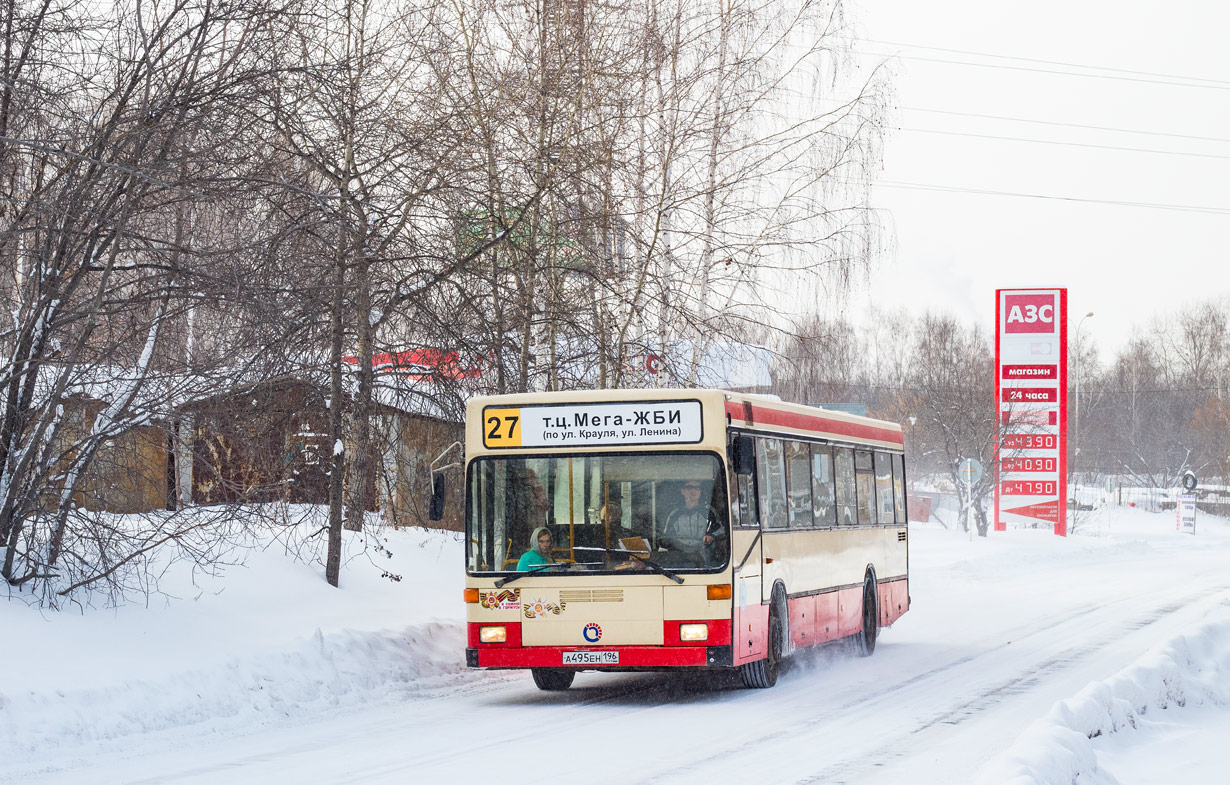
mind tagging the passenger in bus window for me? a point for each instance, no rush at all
(621, 538)
(539, 552)
(537, 496)
(695, 528)
(611, 515)
(528, 501)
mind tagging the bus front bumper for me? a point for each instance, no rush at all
(629, 657)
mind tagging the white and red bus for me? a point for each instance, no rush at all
(687, 529)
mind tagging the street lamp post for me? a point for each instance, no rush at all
(1076, 433)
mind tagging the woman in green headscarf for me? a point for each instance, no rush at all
(539, 552)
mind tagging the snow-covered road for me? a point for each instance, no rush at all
(999, 631)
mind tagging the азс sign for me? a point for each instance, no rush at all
(1031, 375)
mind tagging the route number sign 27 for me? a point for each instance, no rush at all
(501, 427)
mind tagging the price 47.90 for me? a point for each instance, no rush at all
(1027, 488)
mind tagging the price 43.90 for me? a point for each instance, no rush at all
(1031, 441)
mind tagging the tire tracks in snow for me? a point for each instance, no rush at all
(963, 707)
(665, 689)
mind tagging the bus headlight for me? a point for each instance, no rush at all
(693, 632)
(492, 634)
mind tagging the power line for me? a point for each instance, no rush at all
(1065, 144)
(1111, 202)
(1050, 62)
(1065, 125)
(973, 388)
(1065, 73)
(1212, 84)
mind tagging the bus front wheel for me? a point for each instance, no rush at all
(552, 679)
(762, 674)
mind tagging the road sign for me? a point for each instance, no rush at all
(970, 471)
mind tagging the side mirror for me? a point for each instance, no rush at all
(743, 454)
(435, 508)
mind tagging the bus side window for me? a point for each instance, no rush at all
(748, 511)
(864, 484)
(771, 479)
(899, 487)
(798, 484)
(743, 510)
(844, 461)
(884, 487)
(824, 502)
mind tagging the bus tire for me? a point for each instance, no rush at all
(762, 674)
(552, 679)
(865, 640)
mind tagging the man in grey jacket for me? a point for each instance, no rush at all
(695, 528)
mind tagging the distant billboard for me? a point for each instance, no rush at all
(1185, 509)
(1031, 398)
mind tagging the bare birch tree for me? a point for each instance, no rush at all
(102, 154)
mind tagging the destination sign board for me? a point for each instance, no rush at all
(593, 424)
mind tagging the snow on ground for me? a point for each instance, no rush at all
(1121, 729)
(1179, 676)
(1186, 746)
(269, 648)
(265, 641)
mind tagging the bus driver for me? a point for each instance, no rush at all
(695, 528)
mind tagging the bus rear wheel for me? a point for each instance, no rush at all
(762, 674)
(552, 679)
(865, 640)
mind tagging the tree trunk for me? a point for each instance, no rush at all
(361, 465)
(184, 437)
(333, 560)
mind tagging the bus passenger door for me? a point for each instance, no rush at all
(750, 617)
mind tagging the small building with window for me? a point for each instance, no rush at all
(269, 441)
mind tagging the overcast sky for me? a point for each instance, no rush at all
(1126, 264)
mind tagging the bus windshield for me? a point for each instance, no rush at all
(604, 512)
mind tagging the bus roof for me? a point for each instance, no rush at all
(758, 413)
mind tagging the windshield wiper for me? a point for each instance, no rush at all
(653, 565)
(537, 568)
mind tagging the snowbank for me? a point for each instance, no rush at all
(314, 678)
(1188, 670)
(262, 642)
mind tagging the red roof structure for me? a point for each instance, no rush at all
(422, 363)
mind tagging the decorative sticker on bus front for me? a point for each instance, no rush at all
(507, 600)
(593, 424)
(537, 609)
